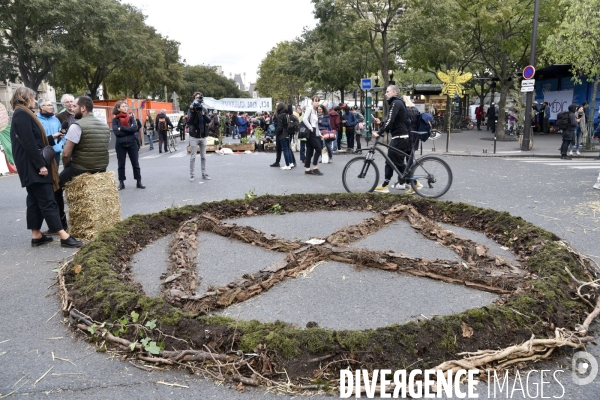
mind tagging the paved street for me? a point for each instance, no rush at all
(558, 198)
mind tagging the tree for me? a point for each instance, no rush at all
(278, 76)
(200, 78)
(380, 19)
(500, 33)
(576, 42)
(34, 35)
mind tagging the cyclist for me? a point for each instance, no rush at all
(398, 125)
(162, 125)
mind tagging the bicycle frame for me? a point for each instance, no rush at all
(371, 155)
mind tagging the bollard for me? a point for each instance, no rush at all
(494, 143)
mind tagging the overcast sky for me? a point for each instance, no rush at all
(235, 34)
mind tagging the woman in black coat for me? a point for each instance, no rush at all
(125, 129)
(28, 139)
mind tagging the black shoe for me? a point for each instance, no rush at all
(565, 158)
(359, 151)
(275, 165)
(43, 240)
(309, 172)
(70, 242)
(160, 151)
(317, 172)
(139, 184)
(121, 185)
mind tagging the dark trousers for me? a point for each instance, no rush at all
(313, 149)
(479, 124)
(545, 125)
(358, 136)
(182, 134)
(302, 150)
(398, 159)
(350, 138)
(278, 150)
(162, 138)
(133, 153)
(42, 206)
(492, 122)
(339, 139)
(564, 147)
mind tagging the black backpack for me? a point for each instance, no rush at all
(293, 124)
(562, 121)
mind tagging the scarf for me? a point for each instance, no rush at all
(123, 118)
(53, 168)
(47, 114)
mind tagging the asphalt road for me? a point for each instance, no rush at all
(557, 198)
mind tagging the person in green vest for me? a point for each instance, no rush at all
(86, 149)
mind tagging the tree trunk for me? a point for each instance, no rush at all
(501, 112)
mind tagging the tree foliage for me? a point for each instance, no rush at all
(200, 78)
(279, 76)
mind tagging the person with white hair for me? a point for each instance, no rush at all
(68, 114)
(52, 126)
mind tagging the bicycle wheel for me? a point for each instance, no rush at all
(430, 177)
(360, 175)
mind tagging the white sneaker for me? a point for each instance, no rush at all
(571, 153)
(418, 184)
(399, 186)
(292, 165)
(597, 185)
(286, 167)
(192, 177)
(578, 153)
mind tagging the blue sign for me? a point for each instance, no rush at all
(528, 72)
(366, 84)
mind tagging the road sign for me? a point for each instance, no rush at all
(528, 72)
(366, 84)
(527, 82)
(527, 89)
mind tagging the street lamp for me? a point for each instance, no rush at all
(391, 75)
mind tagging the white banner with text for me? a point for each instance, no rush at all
(558, 101)
(252, 105)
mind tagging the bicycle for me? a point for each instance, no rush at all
(171, 141)
(429, 176)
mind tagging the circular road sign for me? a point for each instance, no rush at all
(529, 72)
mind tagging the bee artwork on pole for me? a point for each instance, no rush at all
(453, 81)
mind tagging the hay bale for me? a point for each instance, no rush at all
(94, 204)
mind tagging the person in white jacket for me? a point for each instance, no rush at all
(314, 142)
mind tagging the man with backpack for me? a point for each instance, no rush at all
(567, 122)
(398, 125)
(162, 125)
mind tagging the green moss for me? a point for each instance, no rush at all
(352, 340)
(316, 340)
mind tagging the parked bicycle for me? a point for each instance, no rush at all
(429, 176)
(171, 141)
(462, 122)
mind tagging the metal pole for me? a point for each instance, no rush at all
(529, 101)
(368, 119)
(449, 124)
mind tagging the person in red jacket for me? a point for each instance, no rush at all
(336, 125)
(479, 115)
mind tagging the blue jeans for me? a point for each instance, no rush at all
(285, 149)
(150, 139)
(329, 145)
(234, 131)
(577, 139)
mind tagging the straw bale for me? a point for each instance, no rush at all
(94, 204)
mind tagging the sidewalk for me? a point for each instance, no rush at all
(473, 143)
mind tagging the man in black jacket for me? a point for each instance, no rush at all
(398, 125)
(491, 118)
(198, 121)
